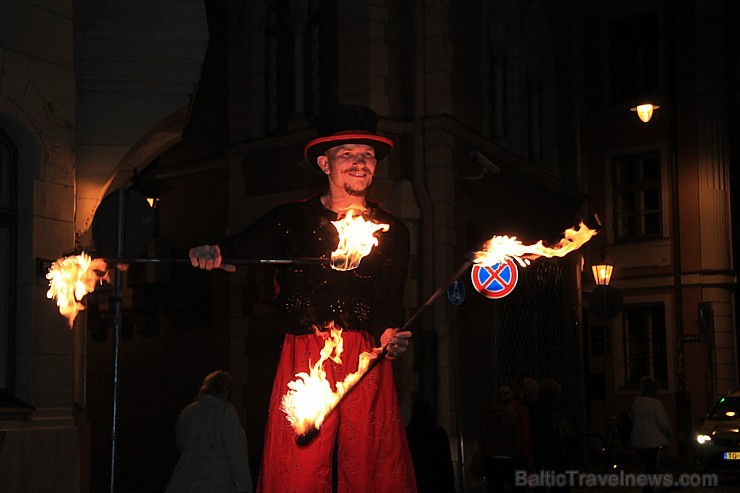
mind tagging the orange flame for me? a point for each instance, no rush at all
(310, 397)
(356, 239)
(71, 278)
(501, 248)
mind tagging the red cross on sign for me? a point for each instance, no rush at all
(495, 281)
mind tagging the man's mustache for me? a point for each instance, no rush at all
(361, 169)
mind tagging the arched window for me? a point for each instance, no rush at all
(320, 56)
(8, 227)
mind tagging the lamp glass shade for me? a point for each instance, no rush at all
(602, 273)
(645, 111)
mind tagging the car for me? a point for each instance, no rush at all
(716, 446)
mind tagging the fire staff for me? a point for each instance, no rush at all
(363, 442)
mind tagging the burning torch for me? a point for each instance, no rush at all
(122, 228)
(306, 413)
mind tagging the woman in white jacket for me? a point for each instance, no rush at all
(212, 443)
(650, 427)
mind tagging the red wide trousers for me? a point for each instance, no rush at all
(366, 428)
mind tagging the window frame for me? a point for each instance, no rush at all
(320, 52)
(655, 355)
(639, 187)
(279, 70)
(534, 120)
(301, 61)
(497, 86)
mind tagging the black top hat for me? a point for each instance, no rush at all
(347, 124)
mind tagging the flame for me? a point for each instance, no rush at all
(356, 239)
(501, 248)
(71, 278)
(310, 397)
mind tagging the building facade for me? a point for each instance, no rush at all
(509, 118)
(666, 186)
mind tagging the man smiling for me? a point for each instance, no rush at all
(362, 445)
(350, 168)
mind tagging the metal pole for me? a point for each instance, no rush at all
(459, 272)
(233, 261)
(606, 378)
(117, 317)
(312, 433)
(606, 386)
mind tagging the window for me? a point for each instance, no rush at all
(645, 344)
(279, 67)
(638, 207)
(535, 121)
(293, 63)
(8, 221)
(320, 56)
(497, 97)
(633, 57)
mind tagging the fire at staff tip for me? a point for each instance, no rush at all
(307, 437)
(598, 222)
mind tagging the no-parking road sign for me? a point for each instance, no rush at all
(495, 281)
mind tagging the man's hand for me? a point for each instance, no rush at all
(208, 257)
(395, 341)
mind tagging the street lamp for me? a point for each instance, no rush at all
(602, 273)
(645, 111)
(605, 303)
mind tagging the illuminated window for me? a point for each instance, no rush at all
(638, 208)
(8, 224)
(645, 344)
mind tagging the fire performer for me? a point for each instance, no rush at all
(363, 442)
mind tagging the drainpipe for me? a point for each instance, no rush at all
(426, 227)
(683, 413)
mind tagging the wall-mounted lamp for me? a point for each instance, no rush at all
(645, 111)
(480, 163)
(602, 273)
(151, 187)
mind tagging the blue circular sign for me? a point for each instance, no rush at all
(495, 281)
(456, 292)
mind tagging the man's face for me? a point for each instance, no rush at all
(350, 167)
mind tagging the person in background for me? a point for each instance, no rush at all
(500, 442)
(650, 427)
(552, 432)
(529, 392)
(430, 451)
(212, 443)
(526, 462)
